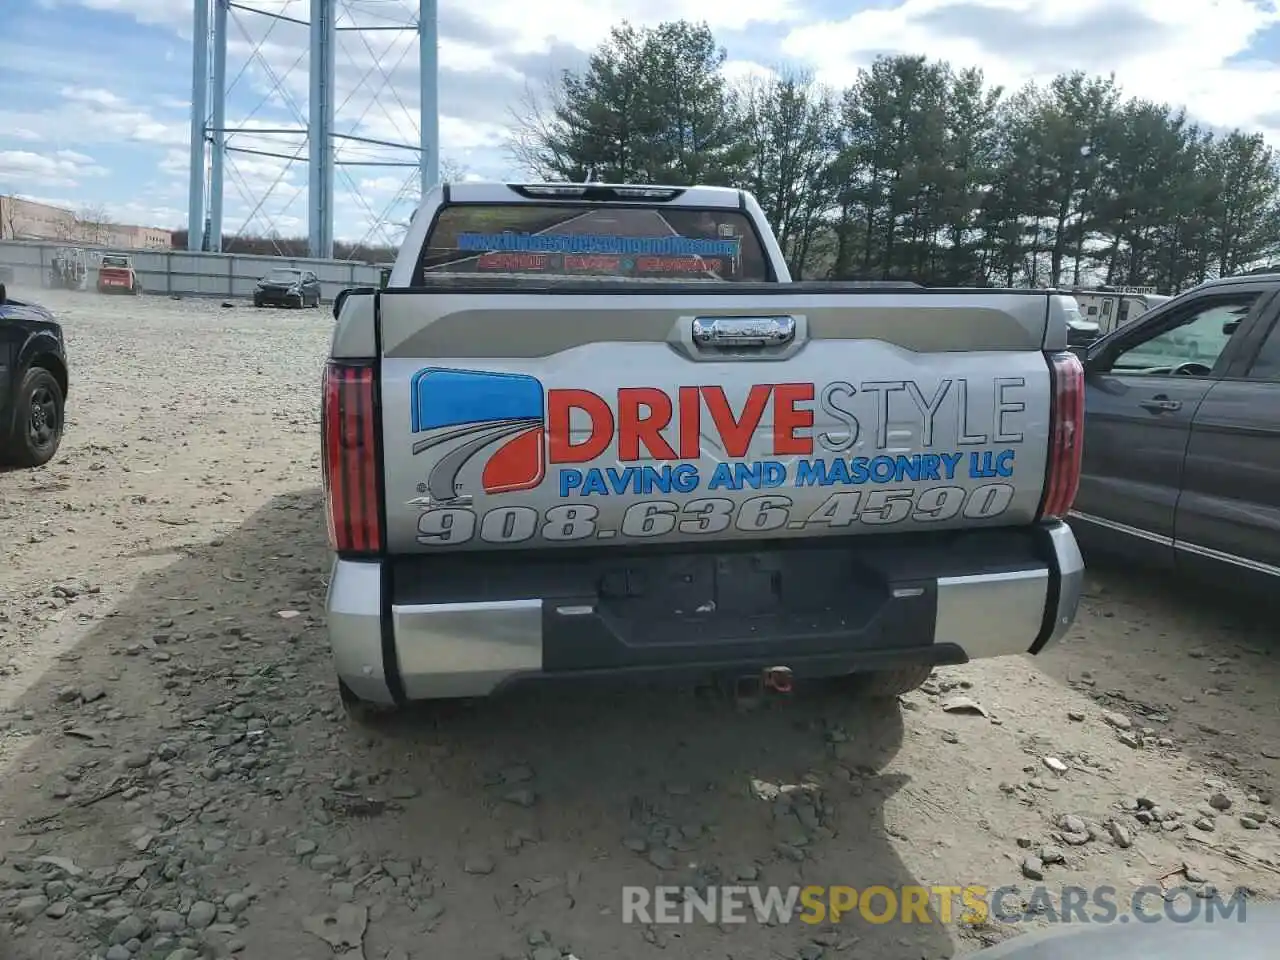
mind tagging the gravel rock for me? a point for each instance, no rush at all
(28, 908)
(201, 914)
(479, 865)
(167, 921)
(131, 927)
(1073, 824)
(1117, 720)
(1051, 854)
(1120, 835)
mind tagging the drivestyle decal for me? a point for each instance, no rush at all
(507, 433)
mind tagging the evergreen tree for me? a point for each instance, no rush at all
(922, 171)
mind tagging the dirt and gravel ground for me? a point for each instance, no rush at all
(176, 780)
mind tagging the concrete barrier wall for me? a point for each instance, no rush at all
(188, 274)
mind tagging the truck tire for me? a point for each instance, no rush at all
(362, 713)
(887, 684)
(36, 431)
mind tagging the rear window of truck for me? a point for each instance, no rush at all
(594, 240)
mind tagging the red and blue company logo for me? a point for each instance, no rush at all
(464, 414)
(500, 432)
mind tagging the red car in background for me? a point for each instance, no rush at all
(116, 275)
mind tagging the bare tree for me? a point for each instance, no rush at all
(451, 171)
(93, 225)
(534, 126)
(67, 229)
(8, 226)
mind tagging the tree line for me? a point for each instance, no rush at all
(293, 247)
(920, 170)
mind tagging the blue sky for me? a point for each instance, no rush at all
(94, 93)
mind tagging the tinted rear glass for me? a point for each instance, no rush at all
(633, 243)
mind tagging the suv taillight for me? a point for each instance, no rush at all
(350, 454)
(1066, 436)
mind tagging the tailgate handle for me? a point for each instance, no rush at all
(743, 331)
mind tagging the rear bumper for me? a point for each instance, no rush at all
(393, 641)
(273, 298)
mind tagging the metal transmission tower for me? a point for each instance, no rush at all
(328, 151)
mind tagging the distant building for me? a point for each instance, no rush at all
(140, 238)
(28, 220)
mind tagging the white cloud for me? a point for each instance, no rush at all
(60, 168)
(98, 98)
(533, 28)
(158, 13)
(90, 116)
(746, 71)
(139, 211)
(79, 159)
(385, 185)
(1193, 53)
(1181, 57)
(468, 58)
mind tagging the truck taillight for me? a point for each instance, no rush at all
(1066, 436)
(350, 454)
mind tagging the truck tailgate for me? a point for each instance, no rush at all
(587, 414)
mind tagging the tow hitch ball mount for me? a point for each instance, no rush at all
(777, 679)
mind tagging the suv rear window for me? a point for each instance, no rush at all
(594, 240)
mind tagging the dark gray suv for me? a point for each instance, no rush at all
(1182, 435)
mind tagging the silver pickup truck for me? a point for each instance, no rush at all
(594, 430)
